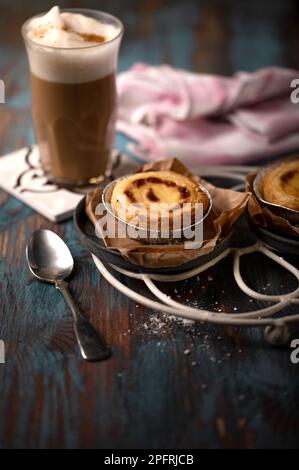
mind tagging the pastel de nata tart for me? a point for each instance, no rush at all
(281, 185)
(150, 198)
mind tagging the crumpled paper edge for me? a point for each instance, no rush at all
(228, 206)
(264, 217)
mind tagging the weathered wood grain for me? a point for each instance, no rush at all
(232, 390)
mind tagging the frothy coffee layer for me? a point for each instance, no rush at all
(60, 46)
(69, 30)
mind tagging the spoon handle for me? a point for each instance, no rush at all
(92, 346)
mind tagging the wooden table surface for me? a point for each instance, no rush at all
(232, 390)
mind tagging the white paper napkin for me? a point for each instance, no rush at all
(22, 176)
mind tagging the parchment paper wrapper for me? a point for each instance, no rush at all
(263, 216)
(227, 207)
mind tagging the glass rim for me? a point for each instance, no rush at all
(74, 10)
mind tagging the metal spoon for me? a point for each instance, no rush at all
(50, 260)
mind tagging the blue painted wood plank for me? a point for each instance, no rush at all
(232, 390)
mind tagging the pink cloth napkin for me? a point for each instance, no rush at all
(205, 119)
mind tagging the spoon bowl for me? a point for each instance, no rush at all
(50, 260)
(48, 257)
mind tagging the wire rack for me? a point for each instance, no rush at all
(276, 328)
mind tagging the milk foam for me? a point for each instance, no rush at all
(59, 47)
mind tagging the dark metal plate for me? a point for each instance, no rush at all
(284, 244)
(95, 245)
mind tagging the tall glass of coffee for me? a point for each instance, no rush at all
(73, 58)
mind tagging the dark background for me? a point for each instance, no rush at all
(232, 390)
(210, 36)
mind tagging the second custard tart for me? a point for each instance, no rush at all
(281, 185)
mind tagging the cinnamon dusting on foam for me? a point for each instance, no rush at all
(92, 38)
(87, 37)
(71, 37)
(69, 30)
